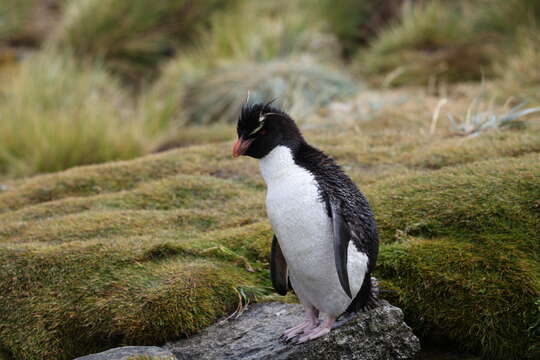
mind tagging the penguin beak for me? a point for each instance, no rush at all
(240, 146)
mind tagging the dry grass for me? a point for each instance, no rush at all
(57, 114)
(131, 36)
(433, 42)
(26, 23)
(230, 52)
(356, 23)
(519, 73)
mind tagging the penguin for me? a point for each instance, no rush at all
(325, 241)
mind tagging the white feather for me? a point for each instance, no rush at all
(304, 231)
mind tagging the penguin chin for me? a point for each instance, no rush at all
(261, 146)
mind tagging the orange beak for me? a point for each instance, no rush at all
(240, 147)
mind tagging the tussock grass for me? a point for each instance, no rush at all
(356, 23)
(300, 85)
(131, 36)
(519, 73)
(478, 120)
(441, 41)
(233, 50)
(13, 15)
(56, 114)
(26, 24)
(435, 40)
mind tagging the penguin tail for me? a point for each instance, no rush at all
(368, 296)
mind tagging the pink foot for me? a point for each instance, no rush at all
(306, 326)
(319, 331)
(311, 322)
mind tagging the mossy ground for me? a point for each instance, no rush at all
(152, 249)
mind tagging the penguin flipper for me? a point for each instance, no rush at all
(278, 269)
(342, 237)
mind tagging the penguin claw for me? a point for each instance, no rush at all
(287, 339)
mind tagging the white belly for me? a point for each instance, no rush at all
(304, 231)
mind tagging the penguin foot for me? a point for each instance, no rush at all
(319, 331)
(293, 332)
(311, 322)
(314, 334)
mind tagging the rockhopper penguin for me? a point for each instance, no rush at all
(325, 244)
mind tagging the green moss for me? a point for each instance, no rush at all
(476, 295)
(56, 292)
(460, 247)
(453, 151)
(482, 199)
(86, 181)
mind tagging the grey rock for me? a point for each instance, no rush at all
(132, 352)
(379, 333)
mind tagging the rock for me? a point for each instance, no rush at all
(131, 353)
(376, 334)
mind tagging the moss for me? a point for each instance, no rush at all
(482, 199)
(460, 247)
(86, 181)
(472, 294)
(137, 302)
(456, 151)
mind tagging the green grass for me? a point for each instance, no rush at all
(13, 18)
(465, 240)
(518, 73)
(356, 23)
(435, 41)
(234, 55)
(131, 37)
(57, 114)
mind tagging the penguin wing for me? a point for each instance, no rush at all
(342, 237)
(278, 269)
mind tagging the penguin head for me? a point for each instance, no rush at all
(261, 127)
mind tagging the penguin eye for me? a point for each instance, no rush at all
(256, 129)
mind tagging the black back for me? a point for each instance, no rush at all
(337, 188)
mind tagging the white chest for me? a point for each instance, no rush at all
(304, 231)
(293, 204)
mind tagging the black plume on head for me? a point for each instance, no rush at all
(268, 126)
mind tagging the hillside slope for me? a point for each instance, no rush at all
(148, 250)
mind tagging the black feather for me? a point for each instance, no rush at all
(336, 189)
(278, 269)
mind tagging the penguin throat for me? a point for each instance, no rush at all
(277, 164)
